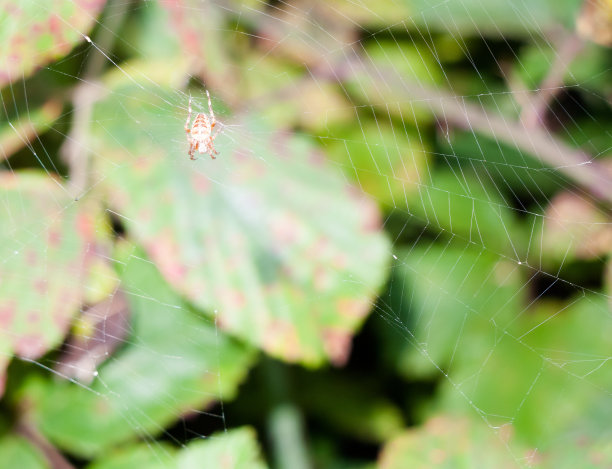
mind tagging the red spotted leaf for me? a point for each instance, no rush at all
(44, 238)
(15, 135)
(575, 228)
(267, 235)
(447, 442)
(595, 22)
(33, 33)
(168, 366)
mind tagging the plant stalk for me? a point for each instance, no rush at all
(285, 423)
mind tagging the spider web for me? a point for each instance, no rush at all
(475, 127)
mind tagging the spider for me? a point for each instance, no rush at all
(200, 136)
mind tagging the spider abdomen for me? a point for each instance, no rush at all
(200, 123)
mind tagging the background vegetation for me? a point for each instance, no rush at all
(398, 259)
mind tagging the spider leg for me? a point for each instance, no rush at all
(212, 137)
(210, 109)
(195, 146)
(187, 129)
(210, 144)
(211, 150)
(188, 132)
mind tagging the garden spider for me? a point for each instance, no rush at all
(200, 136)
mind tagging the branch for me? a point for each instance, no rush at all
(53, 456)
(535, 110)
(576, 164)
(74, 150)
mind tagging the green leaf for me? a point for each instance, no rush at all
(314, 106)
(44, 248)
(593, 453)
(158, 456)
(16, 452)
(493, 18)
(467, 313)
(14, 135)
(34, 33)
(607, 278)
(457, 203)
(235, 449)
(502, 165)
(412, 63)
(388, 164)
(267, 235)
(452, 443)
(446, 295)
(554, 362)
(457, 443)
(169, 366)
(387, 12)
(586, 73)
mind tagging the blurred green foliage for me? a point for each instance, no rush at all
(370, 274)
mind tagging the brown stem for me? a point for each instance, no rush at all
(53, 456)
(75, 150)
(535, 111)
(574, 163)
